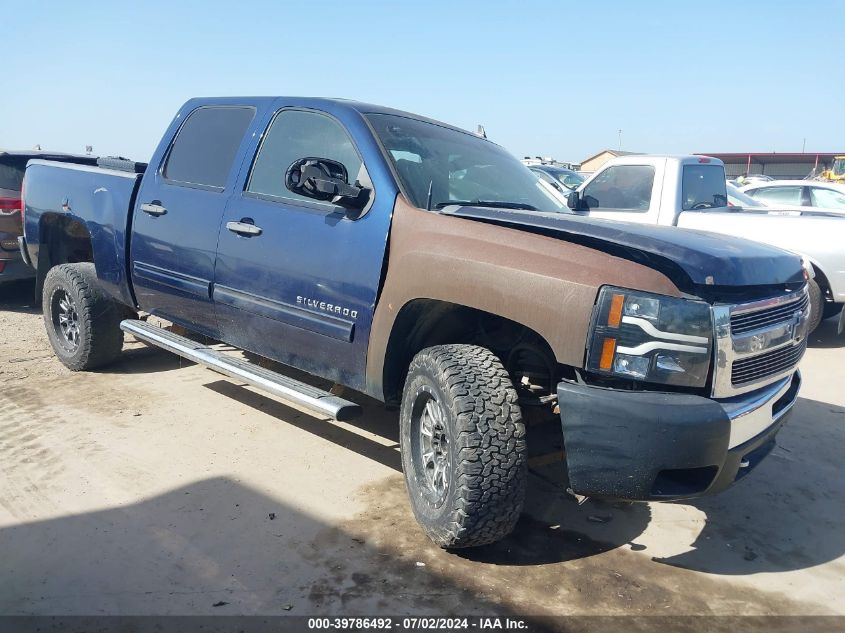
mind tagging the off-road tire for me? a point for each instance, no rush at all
(485, 486)
(816, 305)
(99, 336)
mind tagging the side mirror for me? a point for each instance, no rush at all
(326, 180)
(573, 201)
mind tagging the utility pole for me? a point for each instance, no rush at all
(620, 140)
(804, 145)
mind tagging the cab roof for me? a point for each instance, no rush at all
(320, 102)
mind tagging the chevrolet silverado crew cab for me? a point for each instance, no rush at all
(691, 192)
(425, 266)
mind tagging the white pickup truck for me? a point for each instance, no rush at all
(690, 192)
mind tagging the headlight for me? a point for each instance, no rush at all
(653, 338)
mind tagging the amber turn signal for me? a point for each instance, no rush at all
(607, 350)
(614, 316)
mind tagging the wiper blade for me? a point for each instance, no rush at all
(497, 204)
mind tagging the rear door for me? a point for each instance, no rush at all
(301, 284)
(178, 212)
(826, 198)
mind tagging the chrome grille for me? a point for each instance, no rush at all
(749, 321)
(754, 368)
(758, 342)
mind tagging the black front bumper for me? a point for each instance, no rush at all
(643, 445)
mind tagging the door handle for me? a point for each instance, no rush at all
(243, 228)
(153, 208)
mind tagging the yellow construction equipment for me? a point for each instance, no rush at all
(836, 173)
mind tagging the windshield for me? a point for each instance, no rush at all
(737, 198)
(567, 177)
(439, 166)
(704, 187)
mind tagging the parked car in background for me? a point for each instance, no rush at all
(826, 255)
(691, 192)
(738, 198)
(750, 179)
(12, 166)
(564, 180)
(804, 193)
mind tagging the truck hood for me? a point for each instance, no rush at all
(687, 257)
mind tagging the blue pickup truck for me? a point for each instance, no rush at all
(423, 265)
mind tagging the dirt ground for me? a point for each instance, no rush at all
(158, 487)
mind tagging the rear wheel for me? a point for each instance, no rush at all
(463, 446)
(83, 323)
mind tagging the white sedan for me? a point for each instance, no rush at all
(738, 198)
(802, 193)
(814, 233)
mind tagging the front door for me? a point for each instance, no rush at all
(177, 216)
(296, 279)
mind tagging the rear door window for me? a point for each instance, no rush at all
(704, 187)
(827, 198)
(621, 187)
(779, 195)
(206, 145)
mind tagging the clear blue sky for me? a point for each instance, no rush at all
(550, 78)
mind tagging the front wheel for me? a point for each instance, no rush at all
(83, 323)
(463, 446)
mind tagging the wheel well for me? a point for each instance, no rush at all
(63, 241)
(425, 322)
(823, 283)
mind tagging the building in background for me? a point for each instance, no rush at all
(591, 164)
(779, 166)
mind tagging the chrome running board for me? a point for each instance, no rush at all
(315, 400)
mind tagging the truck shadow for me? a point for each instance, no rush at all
(219, 547)
(826, 335)
(554, 528)
(18, 296)
(789, 513)
(212, 547)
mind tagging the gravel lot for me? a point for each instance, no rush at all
(158, 487)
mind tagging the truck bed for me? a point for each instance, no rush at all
(97, 200)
